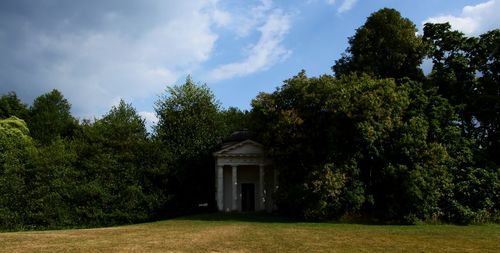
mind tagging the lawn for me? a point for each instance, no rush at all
(255, 233)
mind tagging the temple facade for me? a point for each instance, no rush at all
(245, 180)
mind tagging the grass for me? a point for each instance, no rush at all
(256, 233)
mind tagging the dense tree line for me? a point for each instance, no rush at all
(378, 140)
(58, 172)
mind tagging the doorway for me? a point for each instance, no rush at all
(247, 197)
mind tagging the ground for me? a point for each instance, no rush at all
(239, 233)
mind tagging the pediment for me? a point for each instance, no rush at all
(244, 148)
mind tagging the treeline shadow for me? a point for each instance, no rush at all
(260, 217)
(266, 217)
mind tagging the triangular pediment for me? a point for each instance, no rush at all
(246, 147)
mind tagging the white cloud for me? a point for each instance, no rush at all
(346, 6)
(129, 53)
(245, 21)
(149, 117)
(262, 55)
(473, 20)
(96, 53)
(332, 2)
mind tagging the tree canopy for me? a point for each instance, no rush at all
(385, 46)
(50, 117)
(11, 105)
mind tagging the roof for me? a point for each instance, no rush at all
(243, 148)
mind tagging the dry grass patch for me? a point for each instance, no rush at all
(237, 233)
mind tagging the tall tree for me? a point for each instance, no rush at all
(486, 57)
(466, 71)
(111, 159)
(452, 73)
(189, 128)
(386, 46)
(50, 117)
(11, 105)
(16, 152)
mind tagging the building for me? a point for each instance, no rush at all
(245, 180)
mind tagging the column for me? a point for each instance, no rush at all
(262, 197)
(220, 187)
(235, 188)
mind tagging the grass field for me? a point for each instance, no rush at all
(239, 233)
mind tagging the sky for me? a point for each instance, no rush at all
(97, 52)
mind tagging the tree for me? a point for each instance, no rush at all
(452, 73)
(233, 119)
(16, 152)
(189, 127)
(305, 141)
(11, 105)
(50, 117)
(386, 46)
(486, 58)
(52, 181)
(122, 133)
(111, 159)
(187, 119)
(466, 71)
(358, 145)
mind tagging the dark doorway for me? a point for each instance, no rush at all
(247, 197)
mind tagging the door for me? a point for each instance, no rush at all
(247, 197)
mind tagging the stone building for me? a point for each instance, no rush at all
(244, 178)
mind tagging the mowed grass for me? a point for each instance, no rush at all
(256, 233)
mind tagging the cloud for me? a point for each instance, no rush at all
(246, 19)
(266, 52)
(150, 119)
(474, 19)
(97, 52)
(346, 6)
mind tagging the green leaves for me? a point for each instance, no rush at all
(190, 126)
(50, 117)
(386, 46)
(11, 105)
(385, 139)
(188, 121)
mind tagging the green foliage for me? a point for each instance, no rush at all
(187, 119)
(233, 119)
(189, 128)
(16, 150)
(466, 71)
(358, 145)
(50, 117)
(386, 46)
(51, 180)
(111, 172)
(11, 105)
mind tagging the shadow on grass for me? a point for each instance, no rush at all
(260, 217)
(265, 217)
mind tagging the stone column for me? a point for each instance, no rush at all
(220, 187)
(262, 197)
(234, 184)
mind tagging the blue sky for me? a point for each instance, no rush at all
(97, 52)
